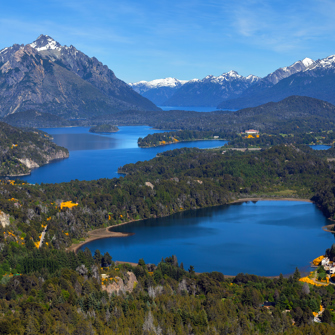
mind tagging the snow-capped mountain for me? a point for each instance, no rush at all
(45, 42)
(287, 71)
(229, 76)
(158, 90)
(325, 63)
(144, 86)
(47, 76)
(211, 90)
(248, 98)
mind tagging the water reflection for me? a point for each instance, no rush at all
(75, 142)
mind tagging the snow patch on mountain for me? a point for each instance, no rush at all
(325, 63)
(166, 82)
(307, 61)
(45, 42)
(228, 77)
(3, 50)
(287, 71)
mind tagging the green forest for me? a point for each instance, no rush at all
(19, 145)
(239, 140)
(48, 290)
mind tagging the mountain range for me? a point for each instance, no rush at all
(158, 91)
(61, 80)
(233, 91)
(317, 80)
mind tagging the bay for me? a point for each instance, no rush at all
(264, 238)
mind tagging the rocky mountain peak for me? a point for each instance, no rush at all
(61, 80)
(45, 42)
(307, 61)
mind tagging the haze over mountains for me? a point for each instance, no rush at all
(61, 80)
(232, 91)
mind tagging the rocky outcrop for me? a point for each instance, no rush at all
(29, 163)
(57, 155)
(120, 285)
(4, 219)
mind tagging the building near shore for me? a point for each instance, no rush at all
(251, 131)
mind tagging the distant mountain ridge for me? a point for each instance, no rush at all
(212, 90)
(208, 91)
(61, 80)
(158, 90)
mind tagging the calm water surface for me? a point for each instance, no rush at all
(94, 156)
(263, 238)
(320, 147)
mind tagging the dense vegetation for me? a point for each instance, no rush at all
(52, 291)
(104, 128)
(33, 118)
(20, 150)
(294, 114)
(179, 180)
(239, 140)
(266, 140)
(177, 136)
(67, 298)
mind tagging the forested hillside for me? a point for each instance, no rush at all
(294, 114)
(46, 290)
(22, 150)
(33, 118)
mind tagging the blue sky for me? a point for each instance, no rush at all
(146, 40)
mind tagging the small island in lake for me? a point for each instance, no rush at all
(104, 128)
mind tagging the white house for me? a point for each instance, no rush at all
(251, 131)
(325, 261)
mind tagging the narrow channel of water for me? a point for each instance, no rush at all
(94, 156)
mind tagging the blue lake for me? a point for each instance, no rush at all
(264, 238)
(94, 156)
(320, 147)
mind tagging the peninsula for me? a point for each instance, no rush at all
(21, 151)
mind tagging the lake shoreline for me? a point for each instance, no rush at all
(100, 233)
(269, 199)
(183, 141)
(108, 232)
